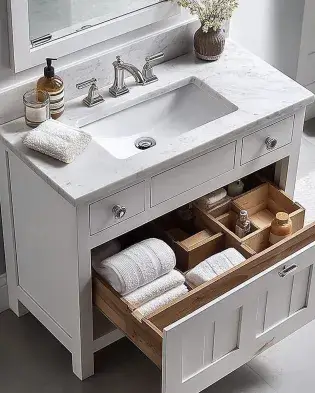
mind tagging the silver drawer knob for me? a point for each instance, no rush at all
(271, 143)
(119, 211)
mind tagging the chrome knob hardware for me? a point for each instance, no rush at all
(286, 270)
(119, 211)
(271, 143)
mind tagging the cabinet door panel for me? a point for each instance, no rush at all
(211, 342)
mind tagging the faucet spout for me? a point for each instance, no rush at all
(135, 72)
(119, 87)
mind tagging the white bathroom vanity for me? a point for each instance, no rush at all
(211, 123)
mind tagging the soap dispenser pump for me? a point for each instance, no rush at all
(54, 86)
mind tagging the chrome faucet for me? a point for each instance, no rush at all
(141, 78)
(119, 87)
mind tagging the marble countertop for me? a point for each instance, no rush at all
(261, 93)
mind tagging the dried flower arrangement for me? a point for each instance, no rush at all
(212, 13)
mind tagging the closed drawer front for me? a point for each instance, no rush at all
(130, 202)
(192, 173)
(267, 140)
(222, 324)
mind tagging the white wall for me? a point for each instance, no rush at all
(4, 65)
(4, 69)
(4, 42)
(272, 30)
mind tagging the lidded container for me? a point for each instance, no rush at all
(54, 86)
(281, 227)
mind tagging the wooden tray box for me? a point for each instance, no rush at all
(265, 201)
(191, 242)
(226, 216)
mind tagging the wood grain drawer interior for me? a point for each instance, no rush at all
(214, 236)
(255, 145)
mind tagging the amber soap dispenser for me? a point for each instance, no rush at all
(54, 86)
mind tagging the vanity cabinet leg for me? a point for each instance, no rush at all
(83, 364)
(82, 353)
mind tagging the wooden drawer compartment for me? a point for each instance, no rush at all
(101, 212)
(192, 173)
(192, 243)
(223, 219)
(222, 324)
(262, 203)
(265, 201)
(255, 145)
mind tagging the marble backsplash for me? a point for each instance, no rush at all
(173, 41)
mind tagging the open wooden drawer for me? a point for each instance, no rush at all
(222, 324)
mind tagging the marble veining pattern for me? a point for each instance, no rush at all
(173, 40)
(261, 93)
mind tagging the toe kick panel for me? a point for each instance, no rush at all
(216, 339)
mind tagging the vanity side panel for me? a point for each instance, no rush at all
(45, 232)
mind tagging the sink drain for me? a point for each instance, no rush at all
(144, 143)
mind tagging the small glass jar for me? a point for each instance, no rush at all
(36, 104)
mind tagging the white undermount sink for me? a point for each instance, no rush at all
(162, 117)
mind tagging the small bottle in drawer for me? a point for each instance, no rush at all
(243, 225)
(281, 227)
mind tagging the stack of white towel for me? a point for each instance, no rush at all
(214, 266)
(144, 274)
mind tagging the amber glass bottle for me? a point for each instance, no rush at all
(54, 86)
(281, 227)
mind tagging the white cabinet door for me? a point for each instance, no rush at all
(208, 344)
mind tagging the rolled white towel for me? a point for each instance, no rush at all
(105, 251)
(162, 300)
(137, 265)
(219, 263)
(234, 256)
(208, 201)
(156, 288)
(214, 266)
(57, 140)
(200, 274)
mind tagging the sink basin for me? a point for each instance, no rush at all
(162, 117)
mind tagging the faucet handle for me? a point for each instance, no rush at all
(94, 97)
(83, 85)
(157, 56)
(147, 71)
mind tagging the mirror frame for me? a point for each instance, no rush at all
(25, 56)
